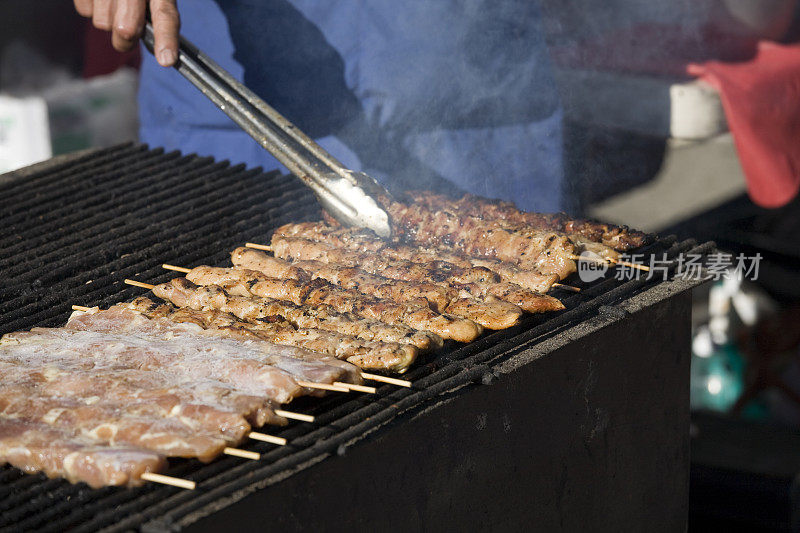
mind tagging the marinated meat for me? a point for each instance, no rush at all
(35, 448)
(184, 293)
(243, 282)
(369, 355)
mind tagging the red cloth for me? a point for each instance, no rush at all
(761, 98)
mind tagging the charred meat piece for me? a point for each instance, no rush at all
(360, 240)
(437, 296)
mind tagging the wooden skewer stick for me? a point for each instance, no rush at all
(264, 247)
(588, 259)
(567, 287)
(606, 261)
(169, 480)
(139, 284)
(176, 268)
(321, 386)
(384, 379)
(81, 308)
(359, 388)
(632, 265)
(244, 454)
(294, 416)
(255, 435)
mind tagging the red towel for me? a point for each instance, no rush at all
(761, 98)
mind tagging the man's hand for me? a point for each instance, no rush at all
(125, 20)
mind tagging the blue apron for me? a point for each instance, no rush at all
(447, 94)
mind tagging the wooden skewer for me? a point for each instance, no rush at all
(359, 388)
(384, 379)
(588, 259)
(322, 386)
(81, 308)
(264, 247)
(244, 454)
(176, 268)
(255, 435)
(632, 265)
(169, 480)
(606, 261)
(567, 287)
(139, 284)
(294, 416)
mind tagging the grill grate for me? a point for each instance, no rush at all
(72, 231)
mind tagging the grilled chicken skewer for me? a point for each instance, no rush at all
(212, 400)
(519, 233)
(370, 355)
(227, 325)
(184, 293)
(494, 313)
(618, 238)
(477, 281)
(515, 223)
(304, 364)
(249, 371)
(360, 240)
(142, 425)
(320, 292)
(547, 252)
(438, 296)
(61, 453)
(358, 287)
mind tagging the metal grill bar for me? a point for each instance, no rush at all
(74, 230)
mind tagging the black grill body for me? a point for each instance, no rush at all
(569, 419)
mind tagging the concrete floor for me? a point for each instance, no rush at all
(694, 177)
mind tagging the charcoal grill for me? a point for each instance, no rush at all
(569, 419)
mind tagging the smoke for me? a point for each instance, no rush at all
(455, 94)
(427, 94)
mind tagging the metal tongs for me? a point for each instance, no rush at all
(348, 196)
